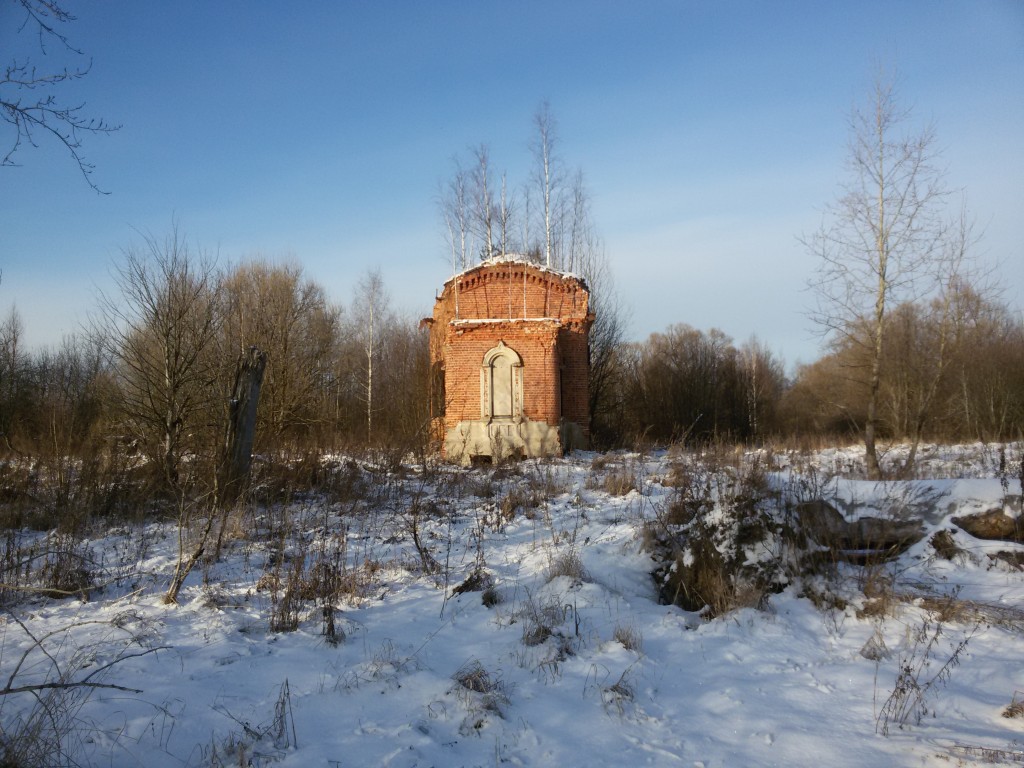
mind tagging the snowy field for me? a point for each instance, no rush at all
(571, 661)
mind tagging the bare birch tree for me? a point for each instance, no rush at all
(370, 313)
(761, 376)
(506, 212)
(986, 391)
(585, 254)
(928, 333)
(604, 341)
(483, 200)
(882, 241)
(581, 234)
(547, 177)
(455, 211)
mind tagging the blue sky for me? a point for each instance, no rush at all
(711, 136)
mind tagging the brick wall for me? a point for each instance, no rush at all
(541, 314)
(575, 377)
(513, 289)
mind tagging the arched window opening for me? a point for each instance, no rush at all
(501, 387)
(501, 384)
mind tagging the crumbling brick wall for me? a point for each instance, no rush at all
(542, 317)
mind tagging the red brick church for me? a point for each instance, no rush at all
(508, 350)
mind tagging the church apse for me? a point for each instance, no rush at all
(508, 349)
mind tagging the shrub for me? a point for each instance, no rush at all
(491, 597)
(619, 694)
(269, 740)
(717, 542)
(479, 580)
(57, 565)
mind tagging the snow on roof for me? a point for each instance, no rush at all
(516, 258)
(485, 320)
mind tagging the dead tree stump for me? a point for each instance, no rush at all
(241, 427)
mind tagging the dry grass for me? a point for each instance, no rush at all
(824, 598)
(879, 587)
(945, 546)
(539, 619)
(569, 564)
(952, 609)
(478, 580)
(619, 694)
(629, 637)
(1016, 707)
(491, 597)
(478, 688)
(473, 677)
(620, 481)
(616, 475)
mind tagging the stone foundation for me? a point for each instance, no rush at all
(472, 440)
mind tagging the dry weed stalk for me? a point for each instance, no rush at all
(910, 699)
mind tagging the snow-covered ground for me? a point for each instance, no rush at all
(574, 662)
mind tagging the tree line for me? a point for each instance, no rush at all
(918, 345)
(144, 392)
(152, 377)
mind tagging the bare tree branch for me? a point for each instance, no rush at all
(28, 99)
